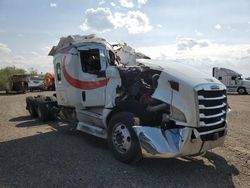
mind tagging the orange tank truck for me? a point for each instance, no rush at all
(49, 81)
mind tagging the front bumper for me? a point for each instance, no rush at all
(156, 143)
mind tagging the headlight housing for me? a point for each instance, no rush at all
(177, 114)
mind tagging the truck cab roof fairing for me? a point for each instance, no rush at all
(76, 40)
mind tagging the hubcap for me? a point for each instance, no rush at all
(121, 138)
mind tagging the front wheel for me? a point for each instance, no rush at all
(122, 138)
(242, 91)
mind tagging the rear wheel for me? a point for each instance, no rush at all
(242, 91)
(32, 110)
(43, 111)
(122, 138)
(31, 106)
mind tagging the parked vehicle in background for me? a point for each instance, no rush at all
(36, 83)
(143, 107)
(232, 80)
(49, 81)
(17, 84)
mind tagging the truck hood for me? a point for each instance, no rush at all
(180, 71)
(184, 98)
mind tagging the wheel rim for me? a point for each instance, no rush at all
(121, 138)
(241, 91)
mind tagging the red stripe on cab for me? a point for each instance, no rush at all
(85, 85)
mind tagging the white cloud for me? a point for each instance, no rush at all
(46, 49)
(136, 22)
(233, 56)
(19, 58)
(4, 49)
(141, 2)
(102, 19)
(159, 25)
(198, 33)
(112, 4)
(132, 3)
(127, 3)
(249, 22)
(217, 26)
(35, 53)
(42, 63)
(101, 2)
(53, 5)
(189, 44)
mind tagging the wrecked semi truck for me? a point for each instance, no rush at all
(144, 108)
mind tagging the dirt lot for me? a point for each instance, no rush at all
(34, 154)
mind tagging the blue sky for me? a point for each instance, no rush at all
(200, 33)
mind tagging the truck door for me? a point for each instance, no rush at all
(60, 90)
(232, 86)
(92, 76)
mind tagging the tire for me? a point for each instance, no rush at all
(122, 138)
(32, 110)
(42, 111)
(30, 106)
(242, 91)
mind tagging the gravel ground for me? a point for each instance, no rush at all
(34, 154)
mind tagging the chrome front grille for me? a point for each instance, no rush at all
(212, 109)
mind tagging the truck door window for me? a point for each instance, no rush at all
(90, 60)
(58, 72)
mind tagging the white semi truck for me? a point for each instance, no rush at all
(232, 80)
(144, 108)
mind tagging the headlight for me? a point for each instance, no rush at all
(177, 114)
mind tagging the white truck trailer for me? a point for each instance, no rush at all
(144, 108)
(232, 80)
